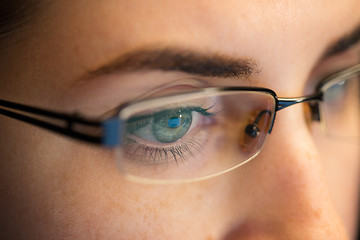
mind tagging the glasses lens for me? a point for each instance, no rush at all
(341, 107)
(194, 135)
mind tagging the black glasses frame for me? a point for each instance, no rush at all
(109, 128)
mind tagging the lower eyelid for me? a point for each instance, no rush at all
(146, 154)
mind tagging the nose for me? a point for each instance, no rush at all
(288, 193)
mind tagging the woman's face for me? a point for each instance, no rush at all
(303, 185)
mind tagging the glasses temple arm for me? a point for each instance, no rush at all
(109, 127)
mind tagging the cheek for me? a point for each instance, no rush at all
(98, 202)
(341, 163)
(73, 191)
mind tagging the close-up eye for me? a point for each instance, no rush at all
(166, 135)
(166, 126)
(184, 120)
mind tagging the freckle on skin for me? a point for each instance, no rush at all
(317, 213)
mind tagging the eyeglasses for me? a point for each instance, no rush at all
(199, 134)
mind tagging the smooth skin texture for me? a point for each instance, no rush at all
(303, 185)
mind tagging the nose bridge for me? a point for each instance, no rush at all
(291, 193)
(292, 149)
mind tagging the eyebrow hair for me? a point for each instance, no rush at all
(197, 63)
(175, 59)
(344, 43)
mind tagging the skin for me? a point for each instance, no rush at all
(303, 185)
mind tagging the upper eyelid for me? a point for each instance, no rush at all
(326, 68)
(352, 53)
(337, 76)
(203, 111)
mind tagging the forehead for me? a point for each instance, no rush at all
(201, 19)
(88, 33)
(227, 25)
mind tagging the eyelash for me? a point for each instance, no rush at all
(159, 155)
(143, 153)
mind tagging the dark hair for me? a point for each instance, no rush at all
(14, 14)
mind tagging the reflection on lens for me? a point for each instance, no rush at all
(341, 108)
(194, 135)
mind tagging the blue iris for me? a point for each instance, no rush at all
(171, 125)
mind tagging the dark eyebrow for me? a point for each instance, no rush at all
(344, 43)
(175, 59)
